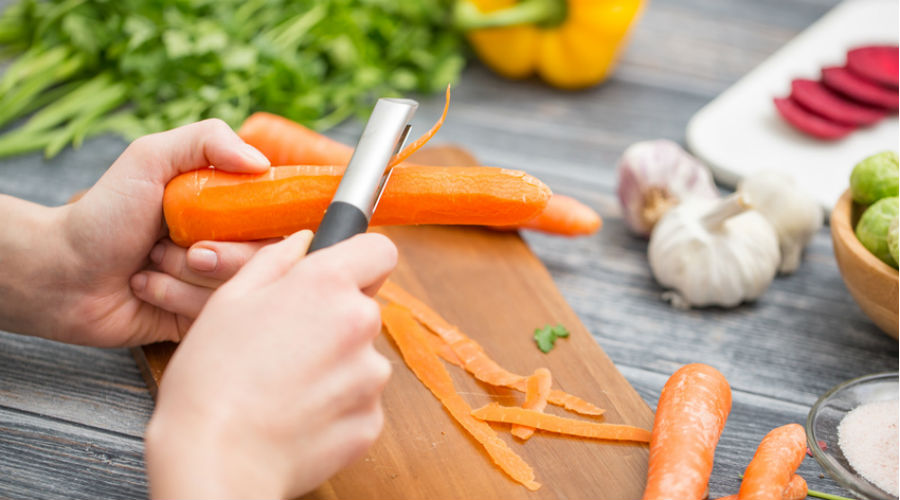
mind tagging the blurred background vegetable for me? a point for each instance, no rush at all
(570, 44)
(85, 67)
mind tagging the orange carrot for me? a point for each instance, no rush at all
(209, 204)
(537, 390)
(795, 490)
(581, 428)
(285, 142)
(564, 216)
(777, 457)
(416, 352)
(472, 355)
(690, 415)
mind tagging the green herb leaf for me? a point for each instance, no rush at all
(545, 337)
(317, 62)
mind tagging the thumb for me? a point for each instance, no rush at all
(164, 155)
(272, 261)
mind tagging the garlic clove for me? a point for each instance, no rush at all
(653, 177)
(794, 214)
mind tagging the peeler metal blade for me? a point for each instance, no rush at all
(364, 180)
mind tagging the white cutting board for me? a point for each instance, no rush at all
(740, 131)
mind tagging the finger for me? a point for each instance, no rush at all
(221, 260)
(273, 261)
(210, 142)
(206, 263)
(170, 294)
(368, 258)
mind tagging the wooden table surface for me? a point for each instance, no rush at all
(72, 418)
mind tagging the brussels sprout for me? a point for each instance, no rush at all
(875, 178)
(873, 227)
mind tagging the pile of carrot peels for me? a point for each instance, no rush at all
(424, 338)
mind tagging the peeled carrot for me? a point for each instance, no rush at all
(690, 416)
(564, 216)
(795, 490)
(285, 142)
(582, 428)
(474, 359)
(209, 204)
(424, 363)
(537, 390)
(777, 457)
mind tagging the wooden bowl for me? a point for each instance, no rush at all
(872, 283)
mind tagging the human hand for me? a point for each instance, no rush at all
(277, 385)
(114, 229)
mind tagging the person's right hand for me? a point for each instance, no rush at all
(277, 384)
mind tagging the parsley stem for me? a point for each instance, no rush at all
(826, 496)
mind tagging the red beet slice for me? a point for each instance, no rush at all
(846, 82)
(808, 122)
(879, 63)
(815, 97)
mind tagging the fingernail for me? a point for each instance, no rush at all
(202, 259)
(253, 155)
(139, 282)
(156, 255)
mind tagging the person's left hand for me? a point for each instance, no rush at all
(126, 283)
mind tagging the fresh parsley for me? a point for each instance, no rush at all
(545, 337)
(85, 67)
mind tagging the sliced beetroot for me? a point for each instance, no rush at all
(808, 122)
(847, 83)
(815, 97)
(878, 63)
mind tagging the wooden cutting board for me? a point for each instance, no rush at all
(491, 286)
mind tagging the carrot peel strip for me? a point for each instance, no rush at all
(537, 390)
(474, 359)
(418, 143)
(424, 363)
(493, 412)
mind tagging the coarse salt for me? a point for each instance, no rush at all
(867, 436)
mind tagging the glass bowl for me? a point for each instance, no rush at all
(822, 427)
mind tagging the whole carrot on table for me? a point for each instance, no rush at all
(773, 465)
(691, 413)
(795, 490)
(564, 216)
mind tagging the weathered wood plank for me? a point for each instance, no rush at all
(46, 458)
(94, 387)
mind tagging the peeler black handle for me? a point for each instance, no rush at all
(342, 220)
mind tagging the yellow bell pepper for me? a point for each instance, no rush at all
(570, 44)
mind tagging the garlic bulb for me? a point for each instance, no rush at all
(656, 175)
(794, 214)
(713, 252)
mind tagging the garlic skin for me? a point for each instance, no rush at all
(794, 214)
(713, 253)
(654, 176)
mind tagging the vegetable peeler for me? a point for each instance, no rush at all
(357, 195)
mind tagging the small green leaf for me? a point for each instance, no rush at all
(560, 331)
(546, 337)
